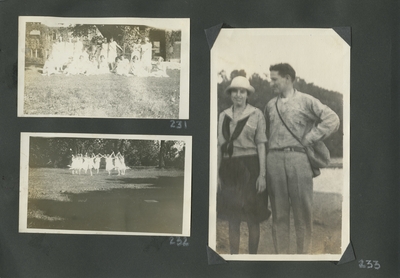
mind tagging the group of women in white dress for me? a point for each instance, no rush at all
(88, 163)
(72, 58)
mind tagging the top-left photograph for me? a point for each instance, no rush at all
(103, 67)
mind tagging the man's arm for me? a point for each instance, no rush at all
(328, 122)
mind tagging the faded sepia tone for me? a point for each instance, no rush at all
(321, 59)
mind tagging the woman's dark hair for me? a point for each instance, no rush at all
(284, 69)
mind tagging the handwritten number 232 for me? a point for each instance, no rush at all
(178, 241)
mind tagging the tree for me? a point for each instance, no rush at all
(235, 73)
(57, 152)
(130, 34)
(174, 154)
(82, 30)
(161, 162)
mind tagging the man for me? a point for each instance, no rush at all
(290, 178)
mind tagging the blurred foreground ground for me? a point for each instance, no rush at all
(327, 215)
(146, 199)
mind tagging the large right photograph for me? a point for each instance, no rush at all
(280, 144)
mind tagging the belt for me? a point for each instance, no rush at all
(289, 149)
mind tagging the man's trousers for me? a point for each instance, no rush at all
(290, 184)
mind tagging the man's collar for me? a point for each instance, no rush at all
(287, 98)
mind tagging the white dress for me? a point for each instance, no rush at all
(146, 55)
(112, 51)
(109, 163)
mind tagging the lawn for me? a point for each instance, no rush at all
(106, 95)
(144, 200)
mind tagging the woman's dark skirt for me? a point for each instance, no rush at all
(238, 197)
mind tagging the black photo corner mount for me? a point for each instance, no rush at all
(214, 257)
(348, 255)
(213, 32)
(344, 33)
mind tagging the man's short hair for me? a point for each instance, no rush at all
(284, 69)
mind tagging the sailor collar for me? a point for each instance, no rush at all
(246, 112)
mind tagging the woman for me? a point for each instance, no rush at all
(159, 69)
(136, 67)
(78, 48)
(110, 162)
(147, 51)
(97, 160)
(136, 49)
(92, 66)
(49, 66)
(112, 52)
(104, 48)
(122, 66)
(103, 65)
(242, 194)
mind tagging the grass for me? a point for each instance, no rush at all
(56, 184)
(106, 95)
(143, 200)
(327, 221)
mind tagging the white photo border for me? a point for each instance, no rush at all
(344, 49)
(24, 180)
(174, 23)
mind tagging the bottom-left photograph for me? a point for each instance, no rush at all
(105, 184)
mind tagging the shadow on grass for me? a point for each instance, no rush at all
(126, 210)
(160, 181)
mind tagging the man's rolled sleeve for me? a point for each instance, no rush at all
(328, 122)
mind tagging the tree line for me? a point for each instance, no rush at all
(263, 94)
(124, 35)
(57, 152)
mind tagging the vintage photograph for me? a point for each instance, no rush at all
(103, 67)
(279, 145)
(105, 184)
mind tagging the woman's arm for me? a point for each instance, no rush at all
(119, 47)
(221, 140)
(219, 159)
(261, 184)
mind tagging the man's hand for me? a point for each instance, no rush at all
(305, 142)
(261, 185)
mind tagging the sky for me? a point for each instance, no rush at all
(319, 56)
